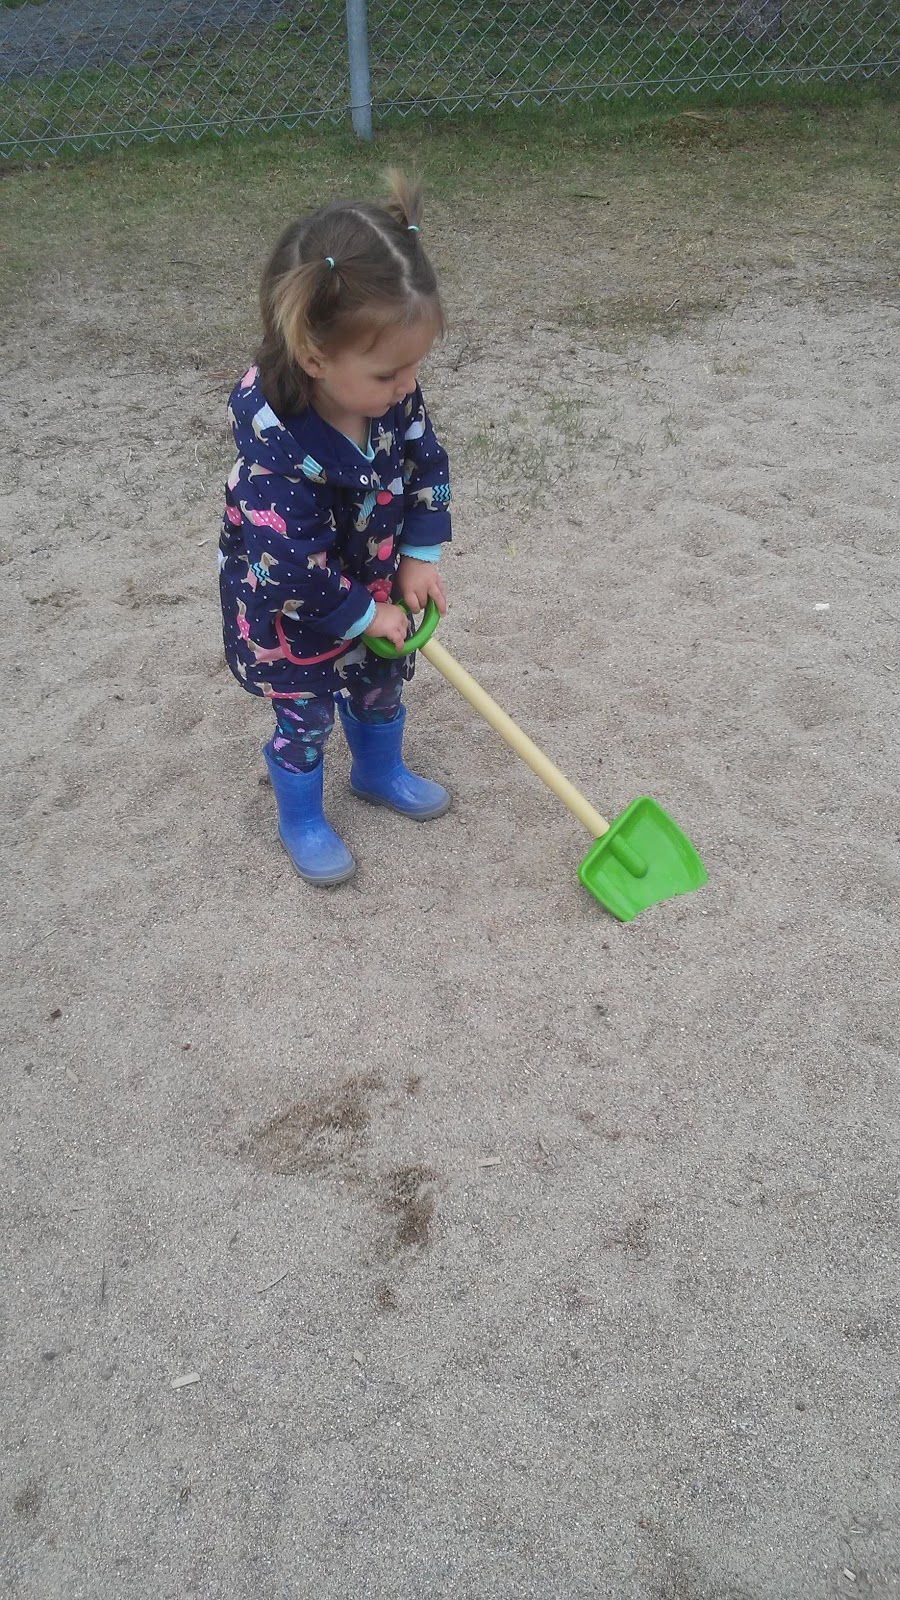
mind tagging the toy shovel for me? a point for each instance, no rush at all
(639, 858)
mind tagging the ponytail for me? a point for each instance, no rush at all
(302, 297)
(404, 204)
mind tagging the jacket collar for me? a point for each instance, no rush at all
(311, 447)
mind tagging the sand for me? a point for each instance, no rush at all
(514, 1252)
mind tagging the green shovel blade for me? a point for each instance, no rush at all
(644, 857)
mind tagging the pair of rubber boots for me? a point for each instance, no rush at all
(377, 774)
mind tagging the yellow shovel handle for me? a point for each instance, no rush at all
(515, 738)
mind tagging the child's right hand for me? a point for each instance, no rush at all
(389, 622)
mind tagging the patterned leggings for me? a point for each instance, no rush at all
(303, 725)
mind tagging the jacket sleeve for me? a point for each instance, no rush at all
(289, 534)
(426, 481)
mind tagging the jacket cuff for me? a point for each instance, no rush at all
(426, 527)
(340, 623)
(421, 552)
(361, 626)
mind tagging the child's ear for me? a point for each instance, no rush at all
(312, 362)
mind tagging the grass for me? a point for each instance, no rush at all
(458, 58)
(640, 313)
(182, 230)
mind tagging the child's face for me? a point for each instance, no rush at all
(360, 382)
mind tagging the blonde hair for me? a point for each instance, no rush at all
(339, 277)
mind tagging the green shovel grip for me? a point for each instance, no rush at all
(630, 860)
(389, 652)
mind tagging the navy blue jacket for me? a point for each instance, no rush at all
(312, 532)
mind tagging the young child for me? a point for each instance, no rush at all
(336, 507)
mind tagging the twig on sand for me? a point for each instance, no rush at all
(264, 1287)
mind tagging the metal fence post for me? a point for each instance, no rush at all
(358, 51)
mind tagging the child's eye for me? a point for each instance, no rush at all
(387, 377)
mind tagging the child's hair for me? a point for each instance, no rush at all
(340, 277)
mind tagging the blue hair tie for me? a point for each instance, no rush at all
(330, 260)
(412, 228)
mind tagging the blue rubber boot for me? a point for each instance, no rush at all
(377, 773)
(313, 846)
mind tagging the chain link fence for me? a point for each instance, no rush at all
(102, 72)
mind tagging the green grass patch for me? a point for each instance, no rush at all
(463, 56)
(182, 230)
(212, 81)
(630, 315)
(458, 59)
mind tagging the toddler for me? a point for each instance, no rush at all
(337, 506)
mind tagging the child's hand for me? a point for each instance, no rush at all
(419, 582)
(389, 622)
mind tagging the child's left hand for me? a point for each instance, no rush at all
(418, 582)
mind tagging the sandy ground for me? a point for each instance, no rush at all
(517, 1253)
